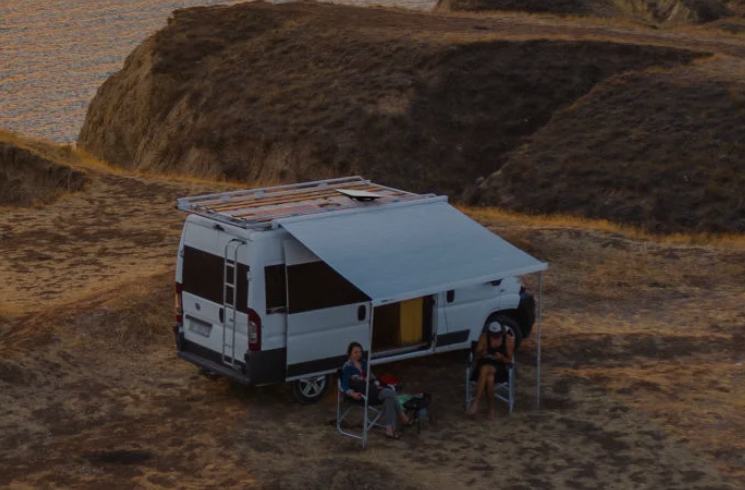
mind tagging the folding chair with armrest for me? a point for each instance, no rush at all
(504, 390)
(345, 404)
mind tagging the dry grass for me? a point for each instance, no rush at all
(8, 313)
(566, 221)
(138, 313)
(66, 154)
(623, 314)
(664, 13)
(32, 174)
(658, 150)
(87, 160)
(641, 385)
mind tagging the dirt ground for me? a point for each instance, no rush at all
(643, 377)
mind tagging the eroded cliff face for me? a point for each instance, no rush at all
(292, 92)
(27, 178)
(594, 8)
(666, 12)
(661, 150)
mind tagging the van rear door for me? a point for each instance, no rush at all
(325, 313)
(214, 295)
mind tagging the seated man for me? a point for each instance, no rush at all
(491, 363)
(353, 384)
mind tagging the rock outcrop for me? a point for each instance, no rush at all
(667, 12)
(292, 92)
(660, 150)
(28, 178)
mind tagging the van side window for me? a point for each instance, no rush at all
(203, 277)
(315, 285)
(276, 290)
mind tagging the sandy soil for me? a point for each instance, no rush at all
(642, 384)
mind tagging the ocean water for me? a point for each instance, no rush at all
(54, 54)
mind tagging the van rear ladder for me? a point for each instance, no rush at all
(229, 298)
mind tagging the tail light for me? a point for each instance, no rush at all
(254, 331)
(179, 304)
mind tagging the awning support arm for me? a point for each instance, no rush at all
(538, 356)
(367, 377)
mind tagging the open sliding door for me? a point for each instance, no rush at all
(325, 313)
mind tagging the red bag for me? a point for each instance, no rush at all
(389, 380)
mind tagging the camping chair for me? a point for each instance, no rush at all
(504, 391)
(345, 404)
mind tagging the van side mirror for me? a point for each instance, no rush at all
(361, 312)
(450, 296)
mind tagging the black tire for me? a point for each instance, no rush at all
(513, 328)
(309, 390)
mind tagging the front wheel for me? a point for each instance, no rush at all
(309, 390)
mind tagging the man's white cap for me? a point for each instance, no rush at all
(495, 328)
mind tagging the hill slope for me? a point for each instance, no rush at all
(28, 177)
(430, 102)
(667, 12)
(663, 150)
(641, 386)
(302, 91)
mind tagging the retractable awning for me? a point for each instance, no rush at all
(401, 252)
(405, 251)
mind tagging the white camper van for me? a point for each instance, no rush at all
(273, 284)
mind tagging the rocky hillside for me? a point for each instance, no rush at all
(666, 12)
(428, 102)
(28, 177)
(594, 8)
(303, 91)
(662, 150)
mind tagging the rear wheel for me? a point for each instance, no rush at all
(309, 390)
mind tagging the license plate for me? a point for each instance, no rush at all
(199, 327)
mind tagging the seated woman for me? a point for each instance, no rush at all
(353, 384)
(493, 356)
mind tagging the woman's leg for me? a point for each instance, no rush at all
(484, 372)
(397, 405)
(391, 408)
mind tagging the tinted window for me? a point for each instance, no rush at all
(276, 289)
(203, 277)
(316, 285)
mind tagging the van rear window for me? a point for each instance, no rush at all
(315, 285)
(276, 289)
(203, 277)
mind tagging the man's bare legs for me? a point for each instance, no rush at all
(490, 392)
(486, 373)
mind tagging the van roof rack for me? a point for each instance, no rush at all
(258, 208)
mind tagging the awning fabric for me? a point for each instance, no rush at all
(403, 252)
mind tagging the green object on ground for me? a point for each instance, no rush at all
(404, 398)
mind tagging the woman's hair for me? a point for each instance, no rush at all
(352, 346)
